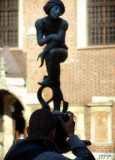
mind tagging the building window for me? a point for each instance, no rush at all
(101, 22)
(9, 23)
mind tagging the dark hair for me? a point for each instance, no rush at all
(52, 3)
(42, 122)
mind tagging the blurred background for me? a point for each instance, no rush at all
(87, 76)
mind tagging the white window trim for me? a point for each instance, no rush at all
(81, 23)
(20, 25)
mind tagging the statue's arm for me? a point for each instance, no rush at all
(60, 36)
(40, 38)
(50, 45)
(52, 39)
(62, 31)
(56, 38)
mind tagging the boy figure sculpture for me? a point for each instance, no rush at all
(51, 32)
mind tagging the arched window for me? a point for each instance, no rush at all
(101, 22)
(9, 23)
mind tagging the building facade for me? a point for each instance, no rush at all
(87, 76)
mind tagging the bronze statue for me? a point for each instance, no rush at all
(51, 31)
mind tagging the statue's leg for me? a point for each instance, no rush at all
(56, 56)
(56, 95)
(56, 101)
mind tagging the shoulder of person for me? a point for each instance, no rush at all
(39, 22)
(50, 155)
(64, 24)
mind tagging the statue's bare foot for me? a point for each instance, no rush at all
(46, 82)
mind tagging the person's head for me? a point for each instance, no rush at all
(42, 124)
(54, 8)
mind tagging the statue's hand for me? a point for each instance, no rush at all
(53, 37)
(38, 56)
(42, 55)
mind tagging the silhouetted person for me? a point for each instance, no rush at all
(39, 144)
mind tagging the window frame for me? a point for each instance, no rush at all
(20, 27)
(82, 28)
(9, 25)
(105, 39)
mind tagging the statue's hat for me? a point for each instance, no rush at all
(52, 3)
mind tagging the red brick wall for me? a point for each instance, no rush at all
(90, 73)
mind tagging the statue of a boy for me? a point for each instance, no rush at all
(51, 32)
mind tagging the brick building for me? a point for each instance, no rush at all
(87, 76)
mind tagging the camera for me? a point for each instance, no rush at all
(61, 136)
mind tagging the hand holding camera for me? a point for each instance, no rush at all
(68, 126)
(65, 128)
